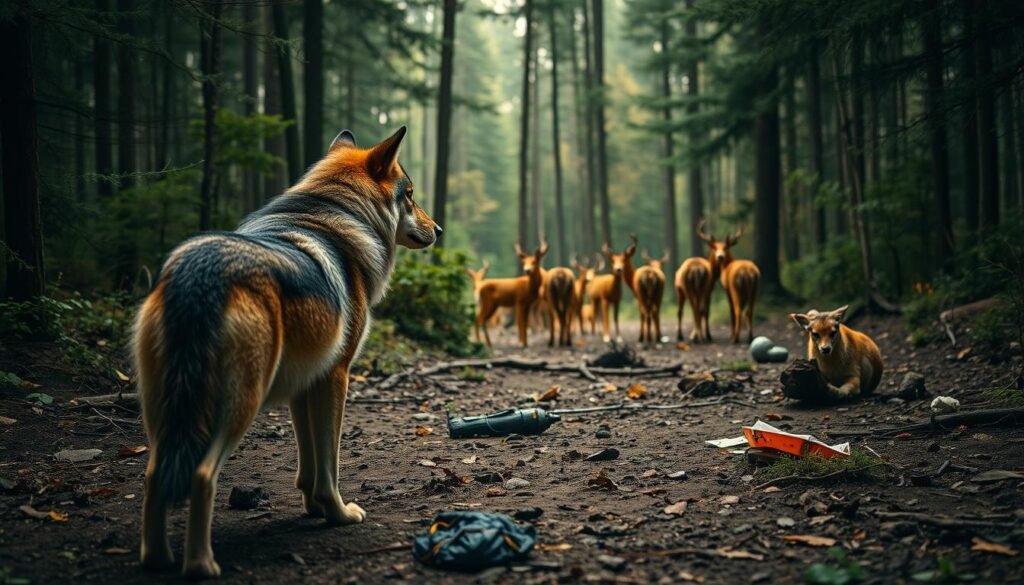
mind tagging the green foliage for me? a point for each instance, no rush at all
(384, 352)
(945, 573)
(472, 375)
(1007, 396)
(7, 578)
(427, 301)
(843, 572)
(858, 465)
(9, 380)
(739, 366)
(240, 139)
(40, 398)
(833, 276)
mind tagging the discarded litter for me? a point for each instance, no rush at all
(945, 405)
(727, 443)
(528, 421)
(764, 350)
(764, 436)
(471, 541)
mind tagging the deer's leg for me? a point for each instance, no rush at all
(681, 301)
(615, 310)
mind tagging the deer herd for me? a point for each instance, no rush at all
(564, 295)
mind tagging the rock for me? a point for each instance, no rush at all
(785, 522)
(912, 387)
(679, 475)
(619, 356)
(527, 514)
(612, 563)
(424, 417)
(759, 347)
(248, 497)
(515, 483)
(603, 432)
(704, 384)
(487, 477)
(945, 405)
(777, 354)
(77, 455)
(803, 381)
(606, 454)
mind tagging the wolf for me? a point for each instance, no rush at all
(275, 311)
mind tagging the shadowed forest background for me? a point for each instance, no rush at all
(868, 150)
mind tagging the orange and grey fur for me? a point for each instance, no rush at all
(275, 311)
(849, 360)
(694, 282)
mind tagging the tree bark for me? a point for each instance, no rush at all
(768, 178)
(250, 85)
(524, 128)
(932, 32)
(969, 128)
(210, 39)
(556, 144)
(313, 80)
(671, 230)
(126, 156)
(790, 198)
(583, 241)
(273, 181)
(988, 145)
(1009, 147)
(22, 223)
(814, 131)
(288, 109)
(602, 135)
(535, 196)
(168, 93)
(694, 176)
(588, 110)
(101, 109)
(444, 113)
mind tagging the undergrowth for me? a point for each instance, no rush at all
(859, 465)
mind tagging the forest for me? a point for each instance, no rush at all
(867, 154)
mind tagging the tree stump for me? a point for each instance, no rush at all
(802, 380)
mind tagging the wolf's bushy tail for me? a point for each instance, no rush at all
(193, 309)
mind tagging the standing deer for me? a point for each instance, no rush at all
(739, 278)
(560, 293)
(478, 277)
(606, 289)
(520, 292)
(694, 281)
(583, 310)
(649, 287)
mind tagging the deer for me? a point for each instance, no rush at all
(583, 310)
(694, 282)
(649, 287)
(559, 289)
(739, 278)
(478, 277)
(606, 289)
(520, 292)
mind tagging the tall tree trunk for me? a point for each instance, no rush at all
(427, 118)
(288, 109)
(1019, 132)
(79, 76)
(1009, 147)
(22, 224)
(313, 80)
(969, 128)
(210, 39)
(814, 131)
(556, 145)
(583, 243)
(168, 92)
(931, 28)
(791, 199)
(273, 181)
(671, 231)
(857, 106)
(444, 112)
(588, 127)
(767, 172)
(694, 176)
(101, 109)
(602, 134)
(250, 83)
(988, 135)
(126, 156)
(873, 154)
(535, 166)
(524, 129)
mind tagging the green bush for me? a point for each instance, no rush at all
(831, 277)
(427, 301)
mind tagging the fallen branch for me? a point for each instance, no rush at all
(108, 398)
(974, 417)
(395, 546)
(943, 521)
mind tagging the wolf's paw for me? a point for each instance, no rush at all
(312, 508)
(157, 560)
(346, 514)
(201, 568)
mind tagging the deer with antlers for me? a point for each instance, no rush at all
(585, 311)
(478, 277)
(606, 289)
(520, 293)
(649, 287)
(739, 278)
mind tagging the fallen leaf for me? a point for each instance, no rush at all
(33, 513)
(58, 516)
(7, 421)
(548, 395)
(602, 481)
(729, 500)
(860, 534)
(560, 547)
(772, 489)
(426, 463)
(774, 416)
(649, 473)
(997, 475)
(903, 436)
(122, 376)
(636, 391)
(676, 509)
(810, 539)
(470, 460)
(688, 576)
(424, 431)
(682, 345)
(981, 437)
(964, 353)
(116, 550)
(132, 451)
(991, 547)
(40, 398)
(729, 553)
(610, 387)
(819, 520)
(358, 378)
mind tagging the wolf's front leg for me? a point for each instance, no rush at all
(299, 407)
(326, 404)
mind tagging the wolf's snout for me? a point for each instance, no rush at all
(437, 231)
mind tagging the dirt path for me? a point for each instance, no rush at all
(617, 535)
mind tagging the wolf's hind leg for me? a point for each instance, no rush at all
(327, 410)
(304, 479)
(156, 549)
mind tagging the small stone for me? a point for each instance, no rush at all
(785, 522)
(515, 483)
(678, 475)
(424, 417)
(527, 514)
(612, 563)
(912, 387)
(248, 497)
(77, 455)
(933, 447)
(603, 434)
(606, 454)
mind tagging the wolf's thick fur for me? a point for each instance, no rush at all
(275, 311)
(849, 360)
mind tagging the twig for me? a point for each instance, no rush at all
(395, 546)
(943, 521)
(787, 478)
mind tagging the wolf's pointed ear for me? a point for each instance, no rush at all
(800, 319)
(385, 155)
(344, 139)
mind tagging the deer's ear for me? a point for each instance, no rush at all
(384, 156)
(802, 320)
(839, 313)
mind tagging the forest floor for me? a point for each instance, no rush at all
(910, 519)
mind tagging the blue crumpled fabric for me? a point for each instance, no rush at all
(471, 541)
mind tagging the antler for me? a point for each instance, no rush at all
(486, 266)
(606, 249)
(519, 250)
(645, 256)
(731, 240)
(710, 240)
(543, 248)
(664, 257)
(632, 248)
(600, 264)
